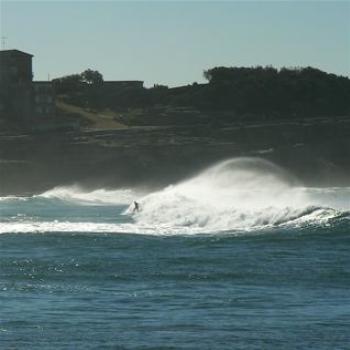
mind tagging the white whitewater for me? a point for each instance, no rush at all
(237, 195)
(77, 194)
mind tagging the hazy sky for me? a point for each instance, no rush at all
(172, 43)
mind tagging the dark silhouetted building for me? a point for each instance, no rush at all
(123, 84)
(21, 98)
(16, 90)
(44, 99)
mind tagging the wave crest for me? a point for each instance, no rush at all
(77, 194)
(242, 193)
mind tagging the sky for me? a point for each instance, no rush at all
(173, 42)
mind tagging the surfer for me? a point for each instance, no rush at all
(136, 207)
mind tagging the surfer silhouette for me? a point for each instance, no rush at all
(136, 207)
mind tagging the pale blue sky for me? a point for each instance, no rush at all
(172, 43)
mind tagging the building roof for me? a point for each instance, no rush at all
(16, 52)
(122, 81)
(122, 84)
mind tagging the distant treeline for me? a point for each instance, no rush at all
(256, 90)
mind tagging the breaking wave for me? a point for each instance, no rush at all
(237, 195)
(242, 193)
(77, 194)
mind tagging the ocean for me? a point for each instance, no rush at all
(239, 256)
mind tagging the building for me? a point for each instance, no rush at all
(44, 99)
(15, 67)
(122, 84)
(21, 98)
(16, 91)
(27, 102)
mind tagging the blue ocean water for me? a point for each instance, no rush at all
(194, 269)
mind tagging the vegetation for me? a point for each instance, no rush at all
(257, 91)
(77, 82)
(298, 91)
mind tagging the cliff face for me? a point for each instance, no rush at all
(317, 151)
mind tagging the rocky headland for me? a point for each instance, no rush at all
(315, 150)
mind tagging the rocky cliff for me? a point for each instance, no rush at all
(316, 150)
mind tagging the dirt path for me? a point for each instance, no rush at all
(103, 120)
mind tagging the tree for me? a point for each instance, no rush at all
(92, 77)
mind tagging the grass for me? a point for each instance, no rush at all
(94, 120)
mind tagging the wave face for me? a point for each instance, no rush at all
(237, 195)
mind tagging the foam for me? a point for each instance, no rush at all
(240, 193)
(77, 194)
(237, 195)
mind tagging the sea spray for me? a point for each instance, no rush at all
(235, 196)
(101, 196)
(241, 193)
